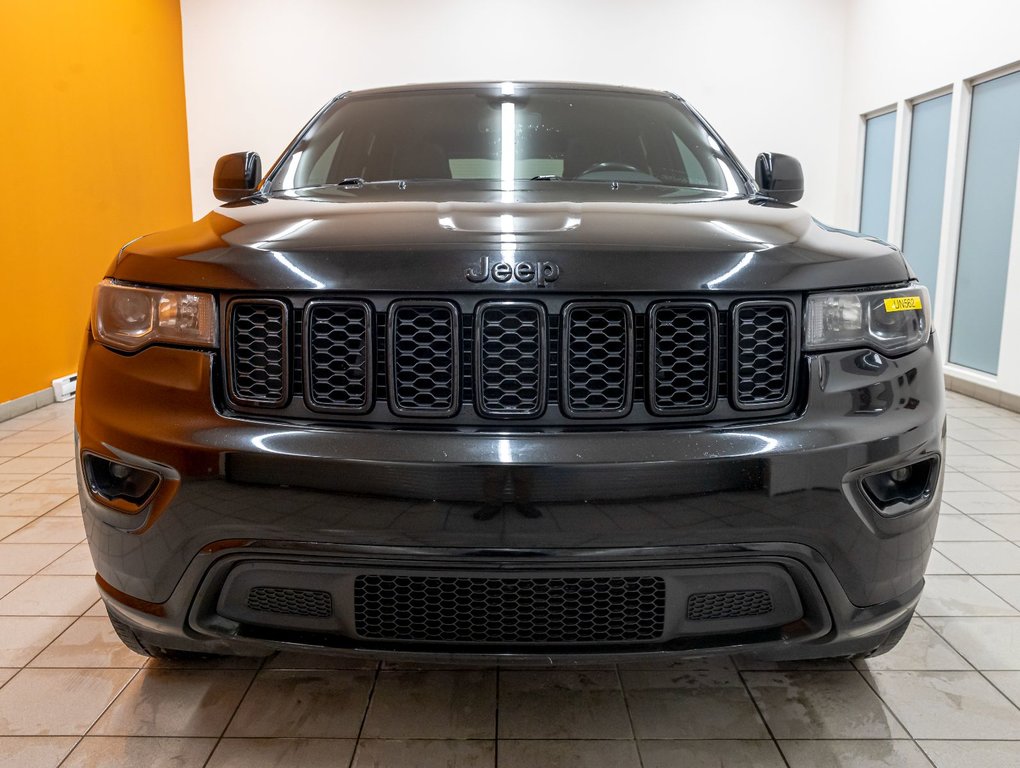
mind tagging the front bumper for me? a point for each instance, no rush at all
(253, 493)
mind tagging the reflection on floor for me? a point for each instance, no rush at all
(71, 695)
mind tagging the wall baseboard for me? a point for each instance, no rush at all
(22, 405)
(983, 393)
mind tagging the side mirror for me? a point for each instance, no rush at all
(237, 175)
(779, 176)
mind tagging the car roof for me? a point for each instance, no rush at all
(498, 85)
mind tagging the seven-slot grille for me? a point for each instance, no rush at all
(258, 352)
(470, 609)
(339, 356)
(512, 359)
(510, 355)
(761, 354)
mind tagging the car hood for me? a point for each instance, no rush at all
(421, 241)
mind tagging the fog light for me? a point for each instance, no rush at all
(904, 488)
(121, 486)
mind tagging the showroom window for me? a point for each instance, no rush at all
(989, 201)
(876, 189)
(926, 179)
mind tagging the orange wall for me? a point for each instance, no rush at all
(94, 151)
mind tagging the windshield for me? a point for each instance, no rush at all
(497, 135)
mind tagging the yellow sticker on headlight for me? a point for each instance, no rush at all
(902, 303)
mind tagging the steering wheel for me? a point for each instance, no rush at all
(599, 167)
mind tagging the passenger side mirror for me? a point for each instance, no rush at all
(237, 175)
(779, 176)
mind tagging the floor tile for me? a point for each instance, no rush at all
(1007, 526)
(77, 561)
(562, 705)
(436, 704)
(1006, 587)
(826, 705)
(940, 564)
(65, 485)
(50, 596)
(751, 664)
(1008, 683)
(283, 753)
(175, 703)
(568, 754)
(921, 648)
(108, 751)
(22, 637)
(854, 754)
(716, 663)
(987, 643)
(982, 502)
(34, 751)
(50, 530)
(28, 559)
(6, 674)
(326, 704)
(65, 451)
(961, 595)
(991, 557)
(963, 528)
(972, 754)
(7, 583)
(10, 524)
(29, 504)
(31, 466)
(431, 753)
(719, 753)
(947, 705)
(954, 482)
(10, 483)
(978, 462)
(58, 702)
(998, 481)
(690, 705)
(89, 642)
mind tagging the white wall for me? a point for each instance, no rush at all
(900, 49)
(766, 74)
(896, 51)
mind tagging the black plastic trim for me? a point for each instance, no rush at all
(455, 363)
(543, 372)
(793, 355)
(565, 361)
(228, 320)
(652, 349)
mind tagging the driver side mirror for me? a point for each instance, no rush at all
(779, 177)
(237, 175)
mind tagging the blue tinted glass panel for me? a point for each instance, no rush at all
(926, 181)
(988, 201)
(876, 188)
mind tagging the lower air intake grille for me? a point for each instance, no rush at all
(728, 605)
(763, 339)
(258, 347)
(295, 602)
(460, 609)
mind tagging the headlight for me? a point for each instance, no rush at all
(129, 318)
(891, 321)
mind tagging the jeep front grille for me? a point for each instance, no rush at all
(258, 346)
(762, 355)
(555, 361)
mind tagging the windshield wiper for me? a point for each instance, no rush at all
(352, 181)
(547, 177)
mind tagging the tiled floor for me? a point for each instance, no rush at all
(71, 695)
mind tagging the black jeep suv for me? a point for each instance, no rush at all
(510, 370)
